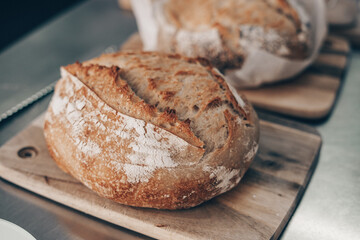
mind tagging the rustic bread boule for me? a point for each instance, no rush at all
(150, 130)
(224, 31)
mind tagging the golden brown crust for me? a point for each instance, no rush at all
(223, 31)
(108, 85)
(194, 14)
(137, 161)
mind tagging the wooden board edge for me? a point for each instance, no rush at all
(299, 195)
(43, 190)
(305, 115)
(344, 48)
(263, 115)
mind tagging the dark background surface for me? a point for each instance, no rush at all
(17, 18)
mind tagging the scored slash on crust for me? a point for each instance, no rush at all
(93, 132)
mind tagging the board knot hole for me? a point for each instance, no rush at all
(27, 152)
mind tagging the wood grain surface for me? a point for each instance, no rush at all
(258, 208)
(311, 95)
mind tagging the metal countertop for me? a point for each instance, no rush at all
(328, 210)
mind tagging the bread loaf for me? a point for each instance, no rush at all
(224, 31)
(150, 130)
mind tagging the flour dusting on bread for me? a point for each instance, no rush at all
(225, 178)
(112, 123)
(148, 149)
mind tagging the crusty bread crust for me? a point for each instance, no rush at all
(270, 14)
(103, 127)
(223, 31)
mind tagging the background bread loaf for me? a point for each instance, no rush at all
(150, 130)
(252, 42)
(223, 31)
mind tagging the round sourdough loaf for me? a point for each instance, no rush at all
(224, 31)
(150, 130)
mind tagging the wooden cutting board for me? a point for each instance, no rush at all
(258, 208)
(311, 95)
